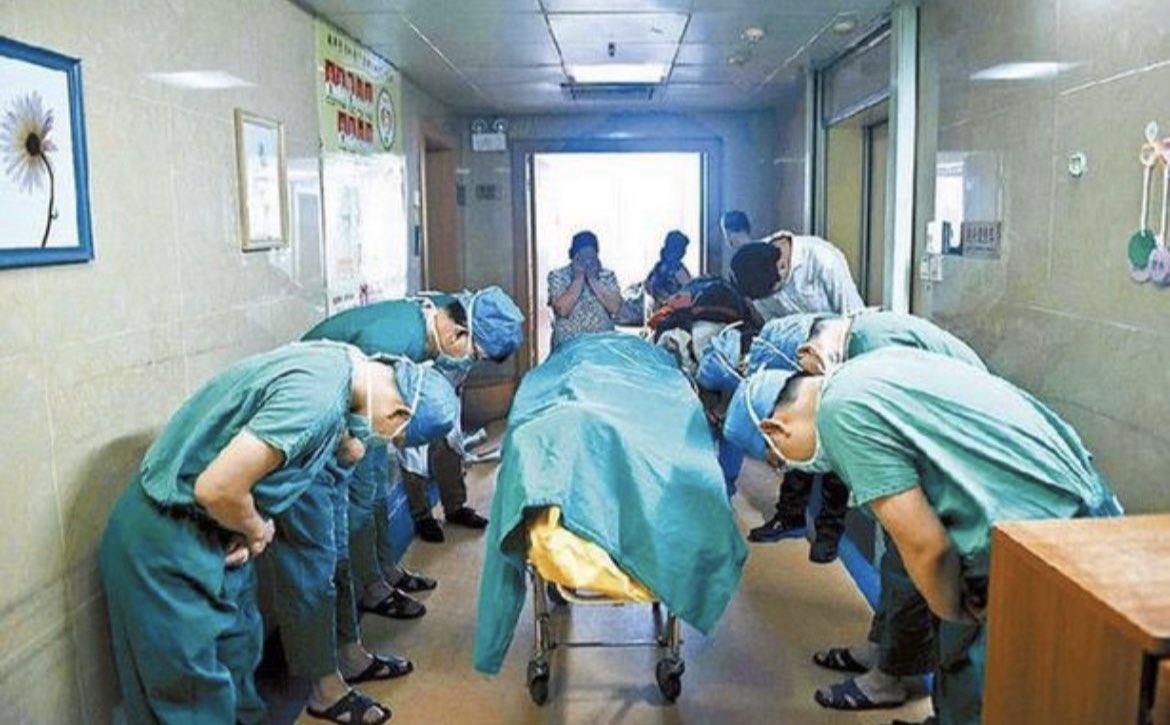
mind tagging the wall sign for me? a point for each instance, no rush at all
(359, 96)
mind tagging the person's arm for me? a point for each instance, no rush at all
(926, 549)
(224, 490)
(839, 286)
(607, 292)
(683, 276)
(564, 302)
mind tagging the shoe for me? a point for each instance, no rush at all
(396, 605)
(468, 517)
(823, 551)
(775, 529)
(429, 530)
(411, 582)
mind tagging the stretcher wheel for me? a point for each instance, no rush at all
(538, 681)
(669, 675)
(554, 596)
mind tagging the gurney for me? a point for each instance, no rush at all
(610, 433)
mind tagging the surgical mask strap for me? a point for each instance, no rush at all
(795, 365)
(750, 395)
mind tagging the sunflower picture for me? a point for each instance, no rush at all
(44, 210)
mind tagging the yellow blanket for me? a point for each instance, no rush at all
(565, 558)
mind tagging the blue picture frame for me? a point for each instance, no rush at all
(37, 199)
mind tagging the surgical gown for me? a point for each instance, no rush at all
(982, 451)
(185, 631)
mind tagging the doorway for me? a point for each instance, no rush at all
(630, 200)
(442, 253)
(856, 166)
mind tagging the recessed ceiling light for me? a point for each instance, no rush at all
(845, 23)
(618, 73)
(753, 34)
(202, 80)
(1021, 71)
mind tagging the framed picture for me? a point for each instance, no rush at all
(263, 182)
(44, 191)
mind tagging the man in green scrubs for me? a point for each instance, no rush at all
(900, 646)
(938, 451)
(177, 551)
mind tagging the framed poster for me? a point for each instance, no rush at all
(260, 159)
(44, 192)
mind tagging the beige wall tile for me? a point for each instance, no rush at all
(41, 685)
(20, 327)
(29, 513)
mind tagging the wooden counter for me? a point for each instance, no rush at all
(1079, 617)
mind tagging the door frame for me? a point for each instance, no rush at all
(524, 208)
(432, 137)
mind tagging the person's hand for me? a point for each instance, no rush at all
(253, 544)
(349, 450)
(578, 272)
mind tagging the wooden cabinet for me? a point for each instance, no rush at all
(1079, 623)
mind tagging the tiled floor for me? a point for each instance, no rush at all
(754, 668)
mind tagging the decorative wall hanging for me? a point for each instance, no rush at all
(263, 182)
(44, 194)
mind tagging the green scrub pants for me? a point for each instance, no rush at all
(446, 469)
(314, 600)
(902, 627)
(184, 629)
(371, 555)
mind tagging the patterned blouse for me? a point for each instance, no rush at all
(588, 315)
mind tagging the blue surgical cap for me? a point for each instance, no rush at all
(776, 345)
(718, 369)
(433, 403)
(496, 323)
(741, 426)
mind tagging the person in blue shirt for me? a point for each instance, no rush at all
(176, 556)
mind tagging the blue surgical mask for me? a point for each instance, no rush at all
(817, 463)
(455, 369)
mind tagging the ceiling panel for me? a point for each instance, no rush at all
(728, 27)
(602, 28)
(703, 54)
(459, 7)
(707, 74)
(495, 55)
(485, 77)
(616, 6)
(444, 27)
(628, 53)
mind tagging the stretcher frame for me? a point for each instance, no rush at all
(668, 637)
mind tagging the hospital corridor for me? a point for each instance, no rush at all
(569, 362)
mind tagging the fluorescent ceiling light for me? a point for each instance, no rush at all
(1021, 71)
(203, 80)
(618, 73)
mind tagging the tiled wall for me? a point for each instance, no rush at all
(93, 358)
(1058, 313)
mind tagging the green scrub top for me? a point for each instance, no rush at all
(871, 331)
(981, 449)
(293, 398)
(392, 327)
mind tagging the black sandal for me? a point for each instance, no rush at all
(354, 704)
(839, 659)
(396, 605)
(412, 583)
(383, 668)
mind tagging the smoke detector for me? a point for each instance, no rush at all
(753, 34)
(845, 23)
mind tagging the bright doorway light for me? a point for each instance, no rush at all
(629, 200)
